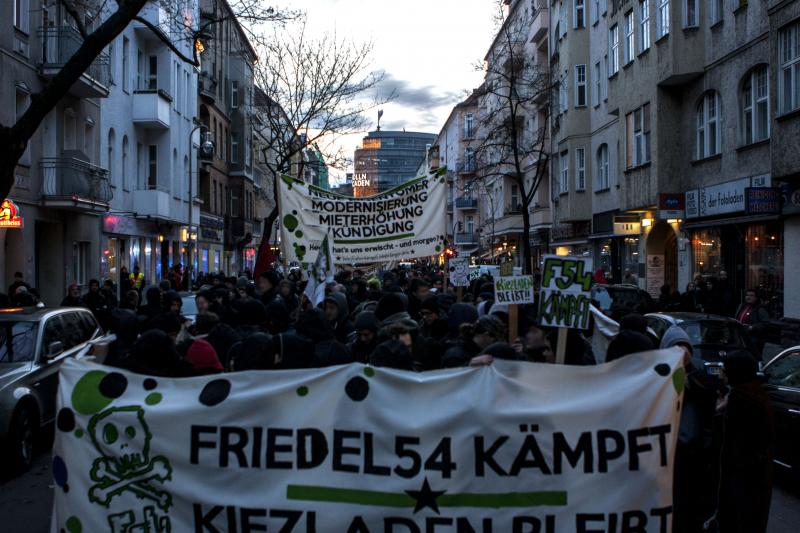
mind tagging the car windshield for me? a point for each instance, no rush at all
(714, 333)
(189, 307)
(17, 341)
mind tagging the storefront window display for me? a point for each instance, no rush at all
(216, 261)
(582, 250)
(630, 255)
(707, 252)
(204, 260)
(764, 263)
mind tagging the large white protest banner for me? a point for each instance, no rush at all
(405, 222)
(513, 447)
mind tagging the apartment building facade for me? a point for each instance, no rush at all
(147, 121)
(62, 186)
(229, 230)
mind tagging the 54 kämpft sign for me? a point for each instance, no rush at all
(566, 292)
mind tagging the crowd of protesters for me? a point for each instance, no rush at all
(407, 320)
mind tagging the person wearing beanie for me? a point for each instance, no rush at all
(256, 352)
(432, 324)
(366, 337)
(336, 312)
(203, 358)
(675, 336)
(626, 343)
(746, 452)
(389, 305)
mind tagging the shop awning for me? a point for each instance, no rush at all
(732, 220)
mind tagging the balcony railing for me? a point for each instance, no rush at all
(208, 85)
(60, 43)
(466, 166)
(466, 202)
(71, 178)
(467, 238)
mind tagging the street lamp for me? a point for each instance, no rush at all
(207, 151)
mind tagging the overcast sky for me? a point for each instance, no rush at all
(426, 48)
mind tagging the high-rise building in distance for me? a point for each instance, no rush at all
(388, 158)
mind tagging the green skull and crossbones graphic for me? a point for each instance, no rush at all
(122, 437)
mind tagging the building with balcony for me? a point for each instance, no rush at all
(62, 183)
(144, 143)
(228, 186)
(387, 159)
(455, 149)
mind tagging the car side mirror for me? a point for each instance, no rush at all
(54, 349)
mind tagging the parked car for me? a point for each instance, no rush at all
(33, 344)
(712, 337)
(619, 300)
(782, 384)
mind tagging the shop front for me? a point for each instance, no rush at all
(615, 245)
(211, 249)
(131, 242)
(735, 227)
(571, 239)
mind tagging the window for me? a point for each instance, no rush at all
(602, 167)
(21, 15)
(644, 25)
(234, 203)
(81, 251)
(152, 168)
(563, 183)
(23, 100)
(125, 162)
(88, 140)
(234, 94)
(188, 95)
(638, 136)
(613, 50)
(469, 160)
(662, 18)
(70, 130)
(176, 180)
(715, 11)
(605, 79)
(562, 15)
(469, 125)
(789, 85)
(126, 48)
(514, 197)
(580, 85)
(596, 90)
(110, 156)
(630, 50)
(152, 73)
(690, 13)
(785, 372)
(562, 92)
(234, 148)
(603, 7)
(214, 197)
(580, 167)
(755, 106)
(579, 14)
(186, 173)
(595, 11)
(177, 87)
(708, 137)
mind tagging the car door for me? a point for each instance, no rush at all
(44, 376)
(783, 387)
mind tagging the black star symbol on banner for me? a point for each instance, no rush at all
(425, 497)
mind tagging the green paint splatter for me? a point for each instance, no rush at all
(86, 396)
(79, 433)
(369, 372)
(298, 234)
(290, 222)
(438, 248)
(302, 391)
(74, 525)
(299, 251)
(679, 379)
(153, 398)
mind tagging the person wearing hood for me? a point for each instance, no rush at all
(693, 477)
(336, 313)
(96, 302)
(278, 317)
(418, 291)
(392, 353)
(123, 325)
(432, 325)
(154, 354)
(474, 339)
(313, 325)
(625, 343)
(599, 277)
(256, 352)
(203, 358)
(288, 293)
(366, 337)
(267, 286)
(746, 453)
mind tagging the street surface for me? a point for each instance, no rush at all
(25, 502)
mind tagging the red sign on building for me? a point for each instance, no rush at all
(9, 215)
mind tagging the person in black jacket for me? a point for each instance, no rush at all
(312, 325)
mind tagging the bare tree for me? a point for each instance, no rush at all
(513, 120)
(316, 91)
(114, 15)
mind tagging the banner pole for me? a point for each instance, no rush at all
(561, 349)
(459, 294)
(513, 323)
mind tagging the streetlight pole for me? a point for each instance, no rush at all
(192, 236)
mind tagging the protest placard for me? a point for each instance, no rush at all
(512, 447)
(459, 271)
(566, 291)
(513, 290)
